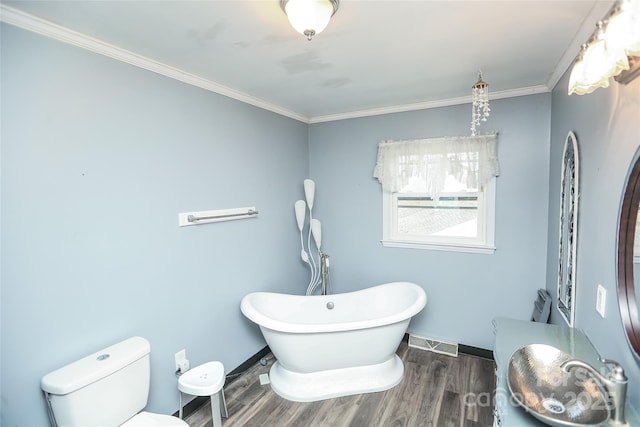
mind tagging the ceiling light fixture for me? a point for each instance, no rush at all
(309, 17)
(612, 51)
(479, 103)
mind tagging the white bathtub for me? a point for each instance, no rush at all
(335, 345)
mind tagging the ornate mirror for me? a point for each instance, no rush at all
(568, 230)
(629, 258)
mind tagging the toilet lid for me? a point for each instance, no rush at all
(148, 419)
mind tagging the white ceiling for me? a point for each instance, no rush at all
(374, 57)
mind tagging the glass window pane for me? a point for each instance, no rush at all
(453, 216)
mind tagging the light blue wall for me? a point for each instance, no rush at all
(606, 124)
(98, 159)
(465, 291)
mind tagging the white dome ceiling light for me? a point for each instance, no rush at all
(309, 17)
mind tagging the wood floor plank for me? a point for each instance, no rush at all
(405, 396)
(478, 399)
(434, 387)
(312, 414)
(457, 372)
(368, 404)
(435, 392)
(451, 410)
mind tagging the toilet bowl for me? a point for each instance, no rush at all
(107, 388)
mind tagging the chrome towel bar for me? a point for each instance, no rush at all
(192, 218)
(204, 217)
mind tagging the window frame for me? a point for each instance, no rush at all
(486, 222)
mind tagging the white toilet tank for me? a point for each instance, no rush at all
(103, 389)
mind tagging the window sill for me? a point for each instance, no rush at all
(476, 249)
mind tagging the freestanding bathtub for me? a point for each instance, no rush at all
(335, 345)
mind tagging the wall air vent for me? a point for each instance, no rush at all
(436, 346)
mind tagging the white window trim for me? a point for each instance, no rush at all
(488, 247)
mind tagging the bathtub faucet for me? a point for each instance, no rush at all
(324, 269)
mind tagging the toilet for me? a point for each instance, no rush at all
(107, 388)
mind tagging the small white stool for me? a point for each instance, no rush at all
(206, 380)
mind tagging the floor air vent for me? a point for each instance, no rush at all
(442, 347)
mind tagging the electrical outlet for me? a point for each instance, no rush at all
(601, 300)
(181, 358)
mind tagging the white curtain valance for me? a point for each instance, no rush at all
(424, 164)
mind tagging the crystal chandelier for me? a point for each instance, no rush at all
(479, 103)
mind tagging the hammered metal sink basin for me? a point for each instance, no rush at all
(557, 398)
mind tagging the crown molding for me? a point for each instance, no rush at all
(57, 32)
(512, 93)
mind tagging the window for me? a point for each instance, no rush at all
(439, 193)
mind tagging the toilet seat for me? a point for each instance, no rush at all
(149, 419)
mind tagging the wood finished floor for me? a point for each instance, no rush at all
(437, 390)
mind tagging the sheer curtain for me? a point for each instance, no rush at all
(424, 165)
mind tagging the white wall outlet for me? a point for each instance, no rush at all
(601, 300)
(181, 358)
